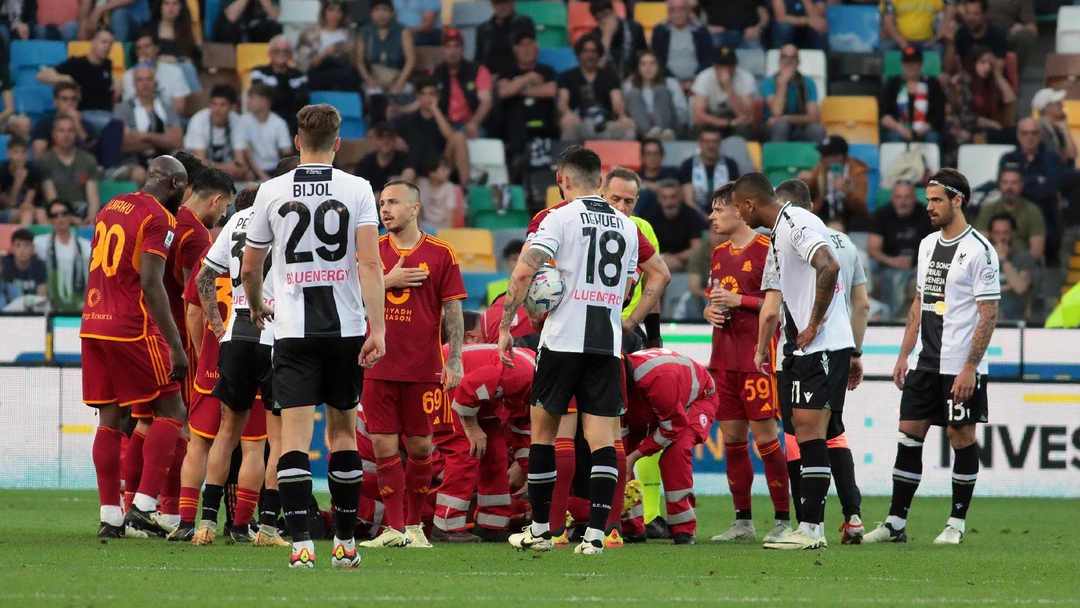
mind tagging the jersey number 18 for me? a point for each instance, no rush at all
(608, 258)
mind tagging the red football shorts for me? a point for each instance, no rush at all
(745, 395)
(132, 374)
(187, 388)
(391, 408)
(204, 418)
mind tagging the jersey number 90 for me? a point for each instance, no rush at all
(339, 239)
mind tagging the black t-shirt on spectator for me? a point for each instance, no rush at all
(27, 280)
(994, 39)
(901, 236)
(369, 169)
(422, 136)
(674, 235)
(32, 182)
(529, 114)
(95, 80)
(584, 95)
(733, 14)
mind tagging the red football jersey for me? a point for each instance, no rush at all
(414, 315)
(665, 385)
(739, 271)
(492, 317)
(645, 248)
(489, 389)
(192, 241)
(127, 227)
(207, 371)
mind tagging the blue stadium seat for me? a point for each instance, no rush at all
(476, 286)
(210, 15)
(28, 56)
(86, 232)
(4, 139)
(853, 29)
(560, 59)
(350, 107)
(33, 100)
(868, 153)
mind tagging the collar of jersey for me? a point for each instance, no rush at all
(423, 237)
(592, 197)
(782, 210)
(954, 240)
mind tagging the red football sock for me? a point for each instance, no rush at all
(170, 494)
(776, 474)
(189, 504)
(246, 501)
(565, 466)
(132, 467)
(740, 473)
(615, 514)
(578, 509)
(417, 481)
(158, 450)
(391, 480)
(107, 464)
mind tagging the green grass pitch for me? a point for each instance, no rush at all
(1016, 551)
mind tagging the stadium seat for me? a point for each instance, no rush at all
(855, 88)
(57, 12)
(6, 230)
(1068, 30)
(753, 61)
(891, 67)
(979, 162)
(580, 20)
(754, 149)
(299, 11)
(503, 220)
(350, 108)
(811, 63)
(649, 15)
(487, 152)
(196, 20)
(675, 152)
(855, 66)
(29, 56)
(81, 48)
(110, 189)
(482, 199)
(868, 153)
(554, 197)
(854, 29)
(560, 58)
(889, 152)
(854, 118)
(1063, 72)
(467, 17)
(4, 139)
(783, 160)
(475, 248)
(33, 99)
(550, 19)
(40, 229)
(617, 153)
(211, 11)
(248, 56)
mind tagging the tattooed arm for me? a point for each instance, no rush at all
(828, 269)
(530, 262)
(964, 385)
(454, 326)
(911, 332)
(656, 277)
(206, 283)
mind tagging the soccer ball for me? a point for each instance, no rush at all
(545, 291)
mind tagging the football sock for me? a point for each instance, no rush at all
(566, 467)
(776, 474)
(132, 466)
(211, 502)
(740, 476)
(391, 480)
(816, 477)
(417, 482)
(106, 454)
(189, 504)
(344, 476)
(231, 485)
(294, 483)
(542, 479)
(158, 450)
(246, 500)
(907, 473)
(602, 483)
(843, 470)
(794, 469)
(269, 507)
(170, 494)
(647, 471)
(965, 473)
(615, 509)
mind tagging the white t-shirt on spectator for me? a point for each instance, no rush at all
(171, 82)
(708, 86)
(266, 139)
(200, 135)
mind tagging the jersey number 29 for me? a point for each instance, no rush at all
(339, 238)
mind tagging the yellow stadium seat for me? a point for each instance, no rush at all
(854, 118)
(754, 148)
(475, 248)
(649, 15)
(249, 56)
(81, 48)
(196, 20)
(554, 196)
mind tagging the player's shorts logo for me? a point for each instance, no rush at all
(93, 297)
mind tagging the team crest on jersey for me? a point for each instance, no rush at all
(960, 258)
(703, 420)
(169, 239)
(797, 237)
(423, 266)
(747, 266)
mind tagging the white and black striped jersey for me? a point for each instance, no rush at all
(311, 215)
(952, 277)
(227, 255)
(596, 250)
(796, 237)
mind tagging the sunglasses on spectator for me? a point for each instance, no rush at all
(61, 213)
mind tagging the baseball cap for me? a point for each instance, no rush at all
(832, 145)
(1046, 97)
(452, 35)
(911, 54)
(382, 128)
(725, 55)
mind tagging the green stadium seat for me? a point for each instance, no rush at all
(782, 160)
(40, 229)
(550, 20)
(494, 220)
(110, 189)
(931, 64)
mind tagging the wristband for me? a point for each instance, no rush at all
(855, 354)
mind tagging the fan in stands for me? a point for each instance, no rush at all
(545, 292)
